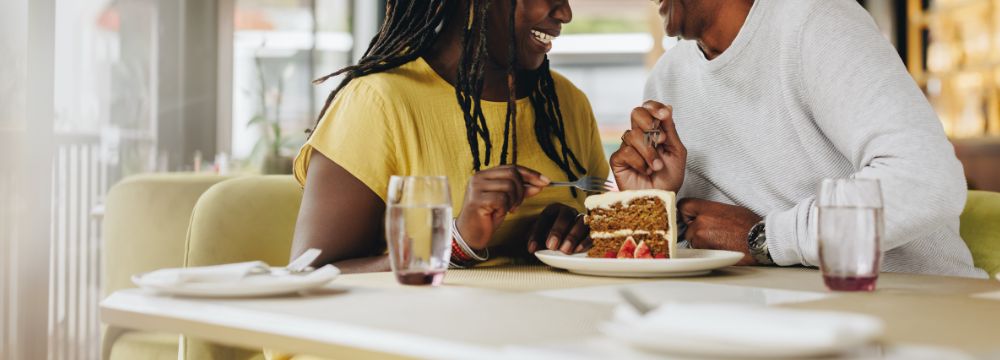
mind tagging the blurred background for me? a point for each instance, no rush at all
(93, 91)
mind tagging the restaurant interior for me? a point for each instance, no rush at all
(140, 135)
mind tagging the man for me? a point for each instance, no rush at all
(772, 96)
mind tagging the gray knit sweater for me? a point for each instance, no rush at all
(810, 90)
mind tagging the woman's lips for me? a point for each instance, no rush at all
(543, 39)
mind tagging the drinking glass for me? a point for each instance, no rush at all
(850, 229)
(418, 228)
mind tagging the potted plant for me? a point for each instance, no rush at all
(274, 150)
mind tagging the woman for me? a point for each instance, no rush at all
(452, 87)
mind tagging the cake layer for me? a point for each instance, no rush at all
(645, 213)
(647, 217)
(605, 247)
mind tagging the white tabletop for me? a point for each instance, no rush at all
(534, 311)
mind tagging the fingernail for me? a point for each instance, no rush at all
(545, 179)
(532, 246)
(657, 165)
(579, 248)
(552, 243)
(567, 247)
(649, 171)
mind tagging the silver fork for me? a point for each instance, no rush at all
(653, 134)
(588, 184)
(640, 306)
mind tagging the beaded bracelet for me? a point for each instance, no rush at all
(461, 254)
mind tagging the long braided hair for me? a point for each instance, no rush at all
(409, 30)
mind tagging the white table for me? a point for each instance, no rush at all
(534, 311)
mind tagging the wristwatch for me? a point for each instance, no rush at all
(757, 241)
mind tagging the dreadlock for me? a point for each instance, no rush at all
(409, 30)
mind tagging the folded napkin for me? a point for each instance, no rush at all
(750, 326)
(206, 274)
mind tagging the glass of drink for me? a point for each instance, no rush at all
(850, 229)
(418, 228)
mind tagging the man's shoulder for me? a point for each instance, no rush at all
(791, 15)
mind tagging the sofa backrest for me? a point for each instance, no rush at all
(981, 229)
(145, 224)
(244, 219)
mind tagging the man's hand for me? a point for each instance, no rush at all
(714, 225)
(640, 165)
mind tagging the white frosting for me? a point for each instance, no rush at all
(625, 198)
(625, 232)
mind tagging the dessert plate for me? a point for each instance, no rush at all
(689, 262)
(250, 286)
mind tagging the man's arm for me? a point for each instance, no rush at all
(871, 110)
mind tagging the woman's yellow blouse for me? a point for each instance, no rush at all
(407, 121)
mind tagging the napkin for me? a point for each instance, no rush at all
(751, 326)
(206, 274)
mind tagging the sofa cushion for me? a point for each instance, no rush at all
(981, 229)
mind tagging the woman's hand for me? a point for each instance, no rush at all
(559, 227)
(639, 165)
(490, 196)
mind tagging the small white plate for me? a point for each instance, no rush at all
(250, 286)
(682, 344)
(689, 262)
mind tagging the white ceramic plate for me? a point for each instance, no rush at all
(250, 286)
(689, 262)
(866, 332)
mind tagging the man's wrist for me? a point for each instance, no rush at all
(757, 242)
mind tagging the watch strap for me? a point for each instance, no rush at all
(757, 242)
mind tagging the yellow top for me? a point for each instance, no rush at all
(407, 121)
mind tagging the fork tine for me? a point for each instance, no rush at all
(602, 183)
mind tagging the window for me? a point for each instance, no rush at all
(279, 47)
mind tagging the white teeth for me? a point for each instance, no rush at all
(543, 37)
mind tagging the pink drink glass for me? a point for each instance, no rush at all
(850, 230)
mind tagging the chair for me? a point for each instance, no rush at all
(243, 219)
(145, 228)
(981, 229)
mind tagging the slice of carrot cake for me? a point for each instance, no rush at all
(632, 224)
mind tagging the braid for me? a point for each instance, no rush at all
(469, 85)
(549, 124)
(511, 120)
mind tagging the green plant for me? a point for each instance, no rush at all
(271, 152)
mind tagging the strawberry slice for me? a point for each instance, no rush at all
(627, 250)
(642, 251)
(660, 256)
(610, 255)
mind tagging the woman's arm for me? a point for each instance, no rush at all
(341, 216)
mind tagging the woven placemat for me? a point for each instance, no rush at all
(513, 277)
